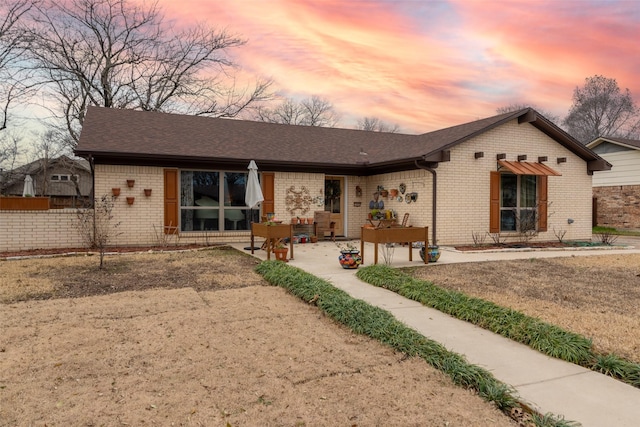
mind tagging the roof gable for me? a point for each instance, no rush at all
(632, 144)
(139, 137)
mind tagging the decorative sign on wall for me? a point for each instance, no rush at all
(298, 202)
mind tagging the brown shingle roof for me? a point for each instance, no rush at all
(139, 137)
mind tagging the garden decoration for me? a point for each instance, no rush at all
(350, 257)
(432, 253)
(298, 200)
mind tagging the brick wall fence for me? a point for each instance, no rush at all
(24, 230)
(618, 206)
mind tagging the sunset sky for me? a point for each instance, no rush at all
(424, 64)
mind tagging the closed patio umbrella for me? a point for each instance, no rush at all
(29, 188)
(253, 192)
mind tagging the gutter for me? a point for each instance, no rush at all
(434, 198)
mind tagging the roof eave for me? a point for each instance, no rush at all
(359, 169)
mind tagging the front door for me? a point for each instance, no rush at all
(334, 201)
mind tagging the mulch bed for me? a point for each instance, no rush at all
(530, 245)
(115, 249)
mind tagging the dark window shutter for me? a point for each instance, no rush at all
(494, 213)
(542, 203)
(171, 201)
(268, 192)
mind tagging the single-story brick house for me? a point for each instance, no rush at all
(475, 178)
(616, 192)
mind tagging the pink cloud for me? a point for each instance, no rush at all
(426, 65)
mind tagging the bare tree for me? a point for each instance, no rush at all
(601, 109)
(374, 124)
(9, 151)
(122, 54)
(517, 107)
(313, 111)
(12, 82)
(96, 225)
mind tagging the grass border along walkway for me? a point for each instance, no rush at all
(376, 323)
(544, 337)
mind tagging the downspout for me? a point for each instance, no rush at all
(434, 199)
(93, 179)
(93, 194)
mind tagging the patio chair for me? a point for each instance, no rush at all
(323, 224)
(405, 221)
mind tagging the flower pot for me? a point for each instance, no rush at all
(115, 192)
(130, 200)
(310, 221)
(350, 259)
(314, 239)
(432, 252)
(281, 254)
(147, 192)
(130, 183)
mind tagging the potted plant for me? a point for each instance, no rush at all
(350, 257)
(280, 250)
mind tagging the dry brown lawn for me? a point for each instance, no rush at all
(596, 296)
(198, 339)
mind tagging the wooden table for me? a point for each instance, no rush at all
(272, 233)
(393, 235)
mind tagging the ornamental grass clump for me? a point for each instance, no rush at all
(616, 367)
(379, 324)
(541, 336)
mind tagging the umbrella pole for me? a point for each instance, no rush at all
(249, 248)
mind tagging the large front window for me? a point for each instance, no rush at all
(214, 201)
(518, 202)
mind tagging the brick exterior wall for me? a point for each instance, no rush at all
(418, 181)
(618, 206)
(463, 185)
(313, 183)
(141, 223)
(24, 230)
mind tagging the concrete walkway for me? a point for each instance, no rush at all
(547, 384)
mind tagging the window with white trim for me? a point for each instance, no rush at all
(65, 178)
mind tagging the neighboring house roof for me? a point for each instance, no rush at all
(140, 137)
(15, 177)
(633, 144)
